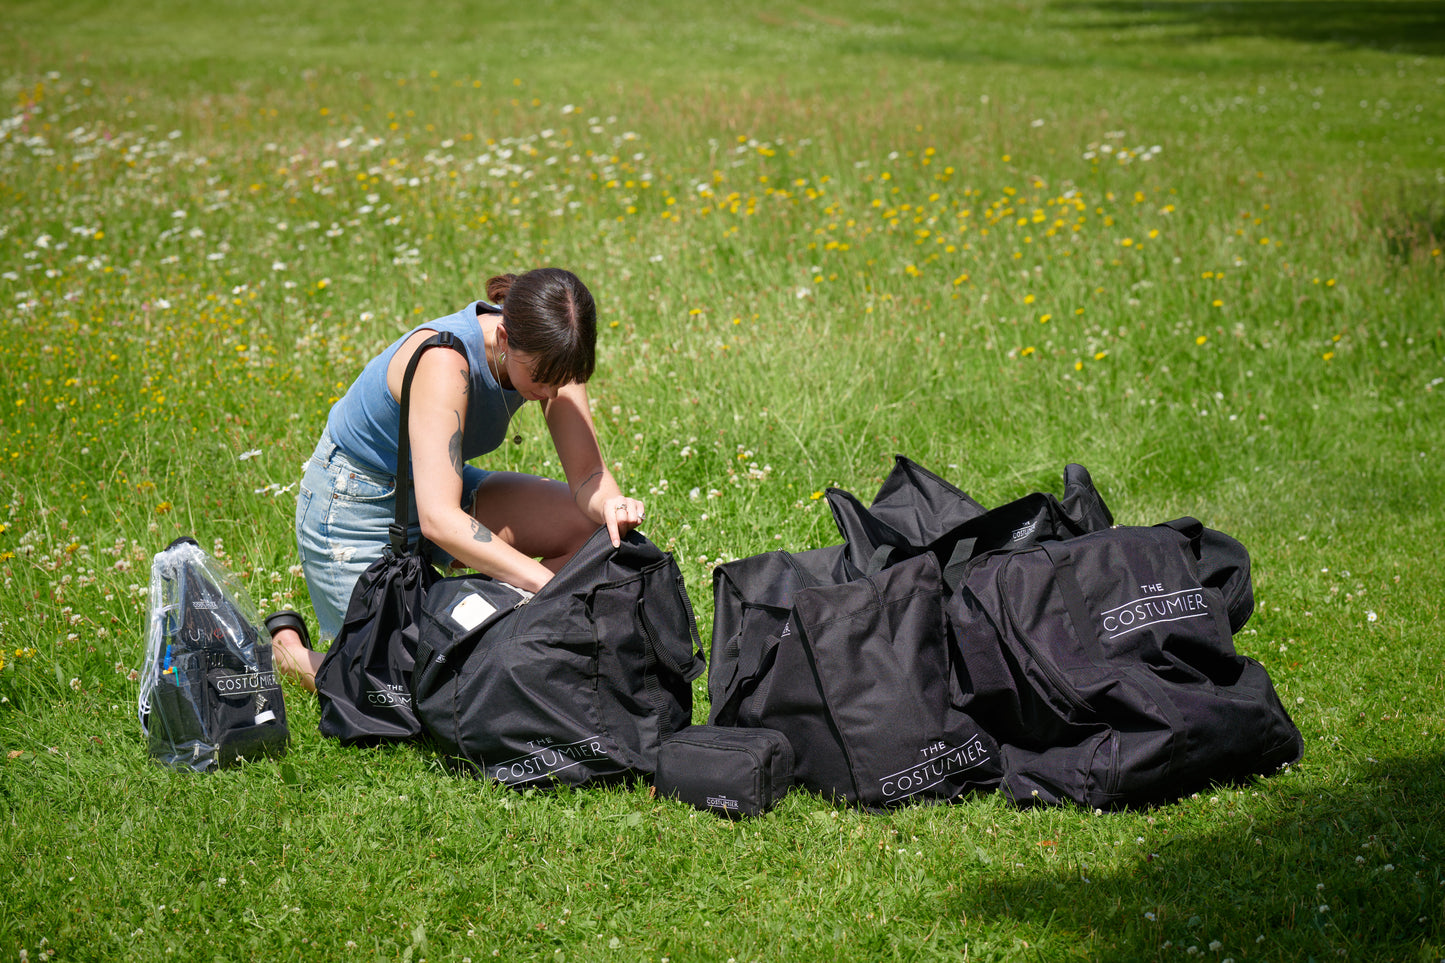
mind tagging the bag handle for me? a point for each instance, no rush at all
(654, 654)
(1066, 580)
(397, 531)
(1190, 528)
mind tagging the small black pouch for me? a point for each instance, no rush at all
(728, 771)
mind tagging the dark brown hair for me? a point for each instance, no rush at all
(549, 315)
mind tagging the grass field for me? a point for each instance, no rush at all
(1195, 247)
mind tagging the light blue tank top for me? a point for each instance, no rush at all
(366, 421)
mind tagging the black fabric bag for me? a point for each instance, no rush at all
(914, 511)
(364, 681)
(752, 600)
(864, 688)
(824, 644)
(581, 683)
(1105, 666)
(727, 771)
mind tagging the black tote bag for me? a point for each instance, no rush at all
(579, 684)
(364, 682)
(865, 688)
(752, 600)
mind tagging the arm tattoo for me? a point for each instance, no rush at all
(480, 532)
(454, 447)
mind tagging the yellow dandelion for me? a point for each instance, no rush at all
(1026, 351)
(1328, 355)
(1045, 318)
(815, 496)
(1201, 339)
(1100, 355)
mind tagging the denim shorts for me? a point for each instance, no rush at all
(343, 513)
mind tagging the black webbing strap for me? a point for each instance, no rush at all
(442, 339)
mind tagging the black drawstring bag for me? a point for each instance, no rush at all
(581, 683)
(364, 682)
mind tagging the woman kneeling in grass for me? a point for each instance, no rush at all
(538, 345)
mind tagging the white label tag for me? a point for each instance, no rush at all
(471, 612)
(264, 717)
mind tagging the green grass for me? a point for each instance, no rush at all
(1231, 215)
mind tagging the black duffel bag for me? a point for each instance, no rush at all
(578, 684)
(1105, 666)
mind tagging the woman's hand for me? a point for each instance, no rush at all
(621, 515)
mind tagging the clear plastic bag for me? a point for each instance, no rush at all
(208, 688)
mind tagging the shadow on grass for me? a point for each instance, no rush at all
(1356, 869)
(1401, 26)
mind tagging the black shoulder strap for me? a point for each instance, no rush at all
(442, 339)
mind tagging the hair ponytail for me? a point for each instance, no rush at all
(497, 287)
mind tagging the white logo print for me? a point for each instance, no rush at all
(945, 761)
(549, 760)
(244, 682)
(1023, 531)
(395, 696)
(1154, 610)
